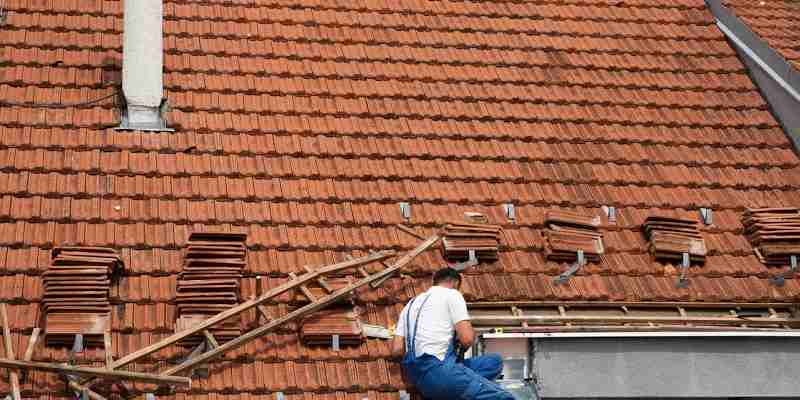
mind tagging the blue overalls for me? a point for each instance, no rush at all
(445, 380)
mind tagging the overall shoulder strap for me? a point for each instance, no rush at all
(416, 323)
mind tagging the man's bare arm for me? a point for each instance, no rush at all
(465, 333)
(398, 346)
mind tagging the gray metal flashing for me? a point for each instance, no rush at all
(777, 80)
(646, 334)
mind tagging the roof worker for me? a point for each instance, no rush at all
(430, 351)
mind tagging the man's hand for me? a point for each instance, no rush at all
(465, 333)
(398, 347)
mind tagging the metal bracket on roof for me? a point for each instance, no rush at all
(611, 213)
(510, 211)
(77, 346)
(780, 279)
(682, 281)
(707, 215)
(471, 262)
(335, 342)
(581, 261)
(405, 210)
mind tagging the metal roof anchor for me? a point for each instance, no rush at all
(335, 343)
(581, 261)
(780, 279)
(510, 211)
(707, 215)
(611, 214)
(405, 210)
(683, 282)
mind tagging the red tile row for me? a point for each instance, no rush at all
(377, 191)
(177, 165)
(147, 212)
(404, 36)
(736, 260)
(380, 89)
(358, 137)
(309, 237)
(194, 25)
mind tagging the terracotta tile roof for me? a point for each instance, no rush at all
(775, 22)
(304, 123)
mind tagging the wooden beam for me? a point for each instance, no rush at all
(410, 231)
(32, 344)
(263, 312)
(302, 311)
(212, 341)
(13, 376)
(303, 288)
(83, 388)
(381, 281)
(233, 311)
(96, 372)
(107, 348)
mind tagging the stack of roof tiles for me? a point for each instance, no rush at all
(76, 291)
(566, 233)
(320, 327)
(209, 283)
(461, 238)
(308, 122)
(774, 233)
(671, 238)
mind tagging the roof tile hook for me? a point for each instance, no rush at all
(683, 282)
(510, 211)
(780, 279)
(581, 261)
(405, 210)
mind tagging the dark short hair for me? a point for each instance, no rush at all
(446, 274)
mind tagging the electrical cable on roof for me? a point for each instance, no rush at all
(58, 105)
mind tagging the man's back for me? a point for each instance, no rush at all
(442, 310)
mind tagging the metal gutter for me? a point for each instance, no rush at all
(777, 80)
(660, 334)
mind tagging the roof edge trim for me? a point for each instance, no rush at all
(765, 56)
(776, 79)
(656, 334)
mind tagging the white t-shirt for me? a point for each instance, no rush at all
(443, 310)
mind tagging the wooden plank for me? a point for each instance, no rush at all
(263, 312)
(212, 341)
(82, 388)
(302, 311)
(381, 281)
(96, 372)
(107, 348)
(324, 284)
(32, 344)
(303, 288)
(13, 375)
(233, 311)
(410, 231)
